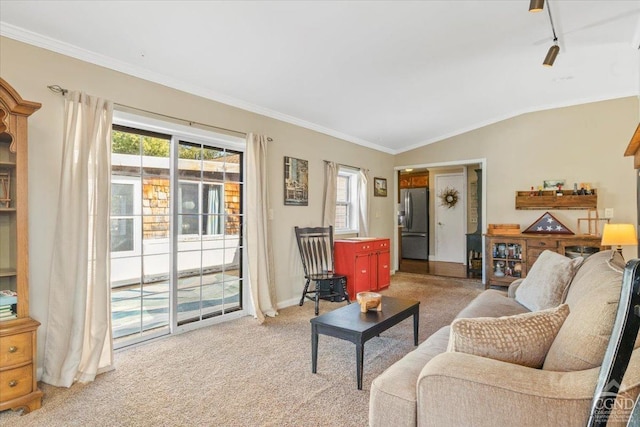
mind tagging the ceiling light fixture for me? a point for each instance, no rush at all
(555, 49)
(536, 6)
(551, 54)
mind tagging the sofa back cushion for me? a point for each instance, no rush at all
(593, 298)
(546, 282)
(599, 267)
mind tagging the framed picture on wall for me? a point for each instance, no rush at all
(380, 187)
(296, 182)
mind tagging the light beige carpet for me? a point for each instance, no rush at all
(240, 373)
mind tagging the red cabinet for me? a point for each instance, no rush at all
(365, 261)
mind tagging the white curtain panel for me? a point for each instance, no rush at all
(259, 246)
(79, 342)
(330, 193)
(364, 203)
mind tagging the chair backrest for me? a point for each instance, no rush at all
(316, 249)
(623, 337)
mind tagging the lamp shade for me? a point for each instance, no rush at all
(536, 5)
(619, 235)
(551, 55)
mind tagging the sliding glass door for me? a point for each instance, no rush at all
(209, 239)
(176, 242)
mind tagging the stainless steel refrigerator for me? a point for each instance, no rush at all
(414, 202)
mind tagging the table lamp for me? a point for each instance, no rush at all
(619, 235)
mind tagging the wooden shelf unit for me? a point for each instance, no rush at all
(549, 200)
(18, 332)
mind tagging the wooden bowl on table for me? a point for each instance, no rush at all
(369, 301)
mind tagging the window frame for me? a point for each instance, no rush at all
(136, 216)
(201, 213)
(353, 226)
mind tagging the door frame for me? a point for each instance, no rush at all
(454, 163)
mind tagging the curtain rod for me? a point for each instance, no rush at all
(63, 92)
(342, 164)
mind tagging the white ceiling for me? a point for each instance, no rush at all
(391, 75)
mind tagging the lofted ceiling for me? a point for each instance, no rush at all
(391, 75)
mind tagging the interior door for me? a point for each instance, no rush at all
(450, 221)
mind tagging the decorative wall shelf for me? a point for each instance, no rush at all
(549, 200)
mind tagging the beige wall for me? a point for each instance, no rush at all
(584, 143)
(29, 70)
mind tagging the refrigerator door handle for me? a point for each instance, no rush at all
(405, 207)
(409, 210)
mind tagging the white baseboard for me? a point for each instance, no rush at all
(288, 303)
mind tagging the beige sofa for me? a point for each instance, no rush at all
(431, 386)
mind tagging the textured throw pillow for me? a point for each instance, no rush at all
(523, 339)
(547, 281)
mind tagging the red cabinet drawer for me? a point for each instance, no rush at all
(381, 244)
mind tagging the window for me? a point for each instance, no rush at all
(122, 217)
(202, 208)
(347, 201)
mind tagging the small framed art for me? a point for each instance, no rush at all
(553, 184)
(296, 182)
(380, 187)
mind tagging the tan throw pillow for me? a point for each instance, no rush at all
(547, 280)
(523, 339)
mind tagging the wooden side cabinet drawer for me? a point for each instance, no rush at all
(15, 349)
(539, 243)
(16, 382)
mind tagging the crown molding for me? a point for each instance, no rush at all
(36, 39)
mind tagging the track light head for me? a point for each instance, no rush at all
(536, 5)
(551, 55)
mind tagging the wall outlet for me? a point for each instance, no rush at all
(608, 212)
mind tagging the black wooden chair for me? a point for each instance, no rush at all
(316, 251)
(618, 353)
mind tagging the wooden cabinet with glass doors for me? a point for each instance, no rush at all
(510, 257)
(505, 259)
(18, 381)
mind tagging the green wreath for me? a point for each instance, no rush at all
(449, 197)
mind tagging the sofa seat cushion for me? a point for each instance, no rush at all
(546, 282)
(395, 389)
(593, 299)
(523, 339)
(492, 303)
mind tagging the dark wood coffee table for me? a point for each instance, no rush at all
(348, 323)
